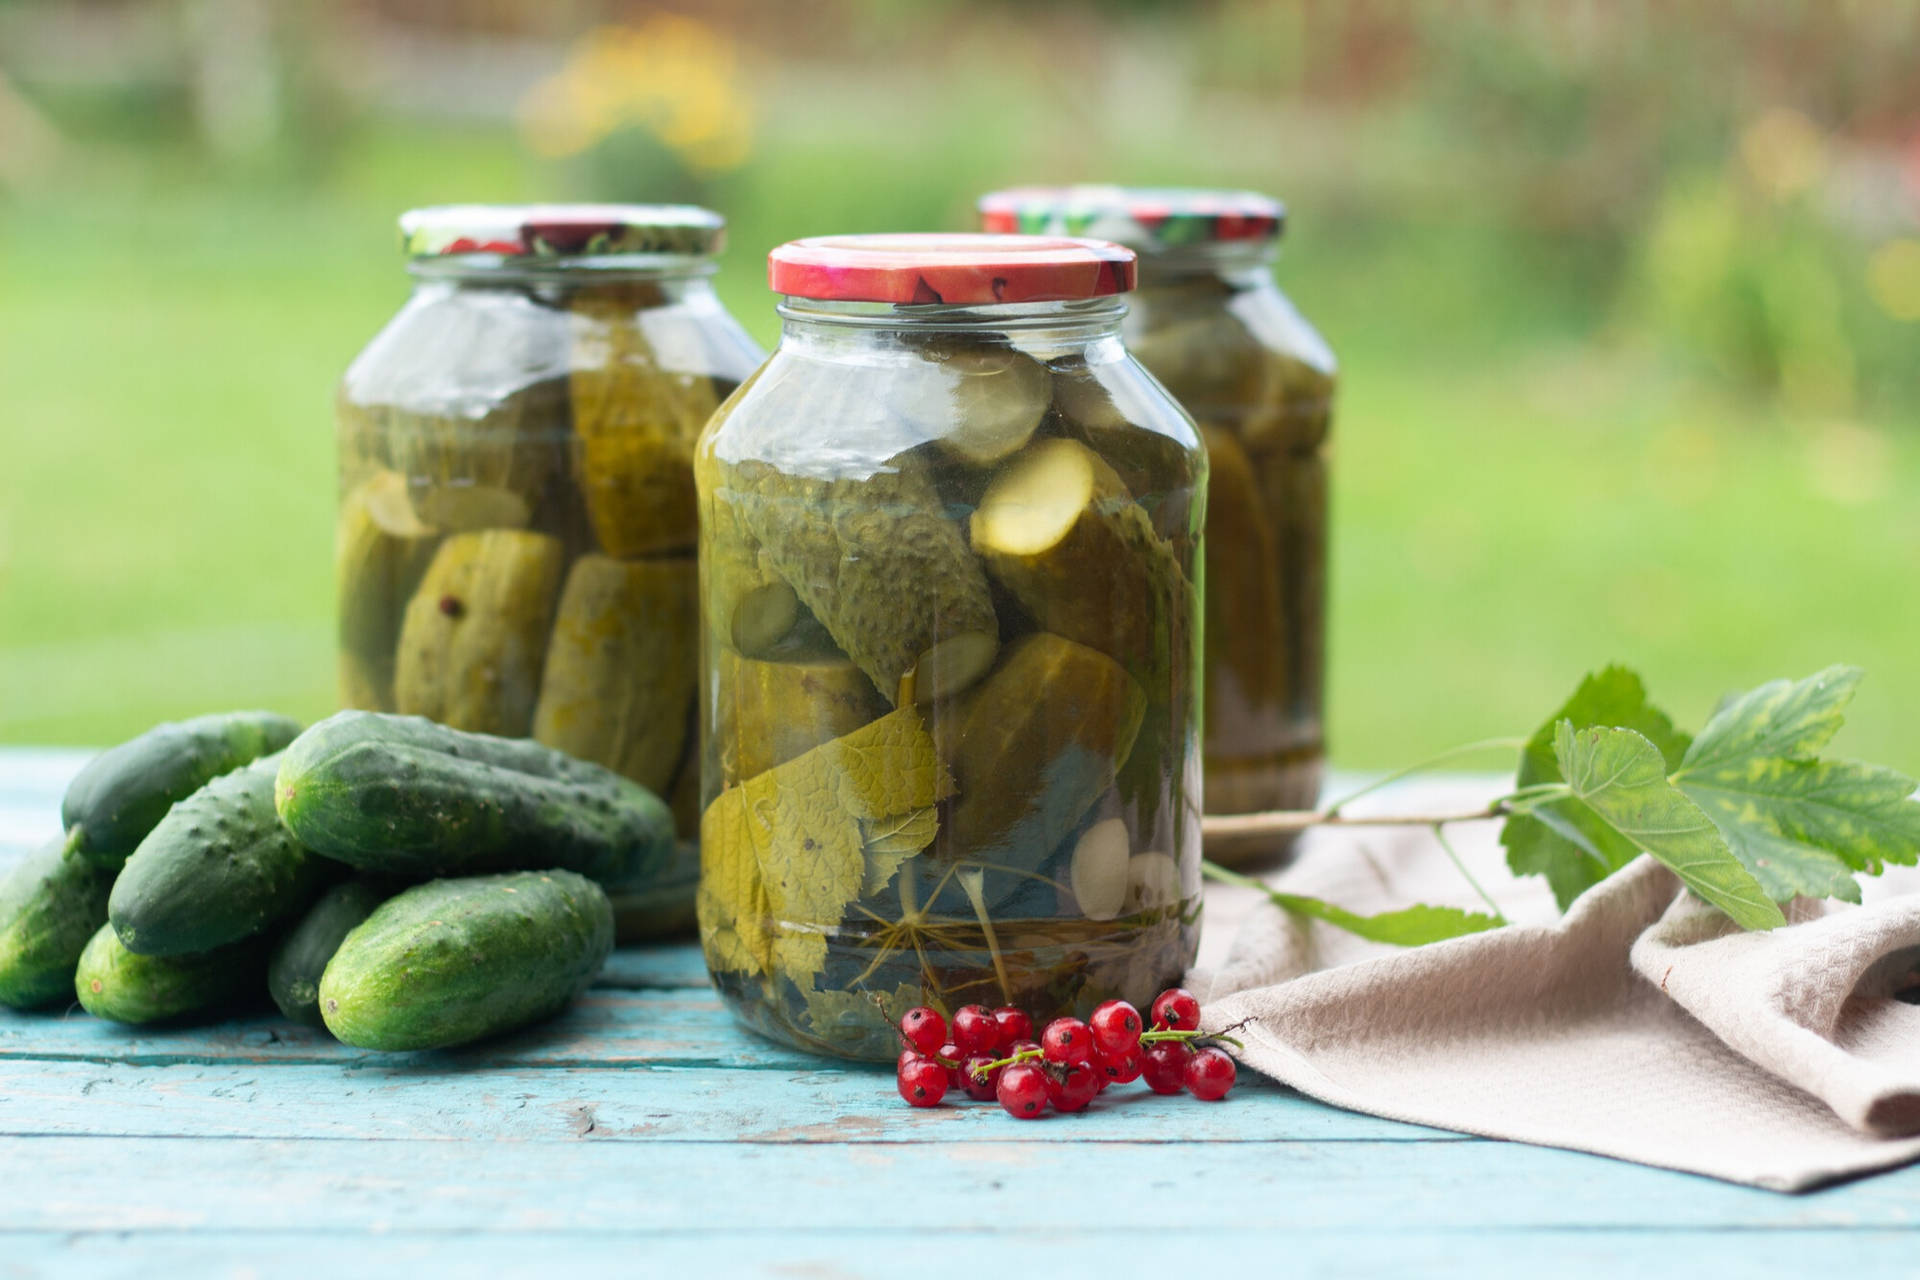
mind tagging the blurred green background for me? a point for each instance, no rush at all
(1627, 299)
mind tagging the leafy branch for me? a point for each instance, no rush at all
(1748, 815)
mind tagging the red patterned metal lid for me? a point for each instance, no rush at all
(955, 268)
(561, 230)
(1145, 218)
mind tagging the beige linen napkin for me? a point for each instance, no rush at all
(1641, 1025)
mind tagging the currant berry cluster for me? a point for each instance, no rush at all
(991, 1055)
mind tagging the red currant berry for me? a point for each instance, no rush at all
(1015, 1026)
(1121, 1068)
(1210, 1074)
(1176, 1010)
(1022, 1046)
(1022, 1091)
(1073, 1088)
(1067, 1041)
(978, 1080)
(924, 1029)
(1116, 1027)
(906, 1056)
(923, 1082)
(949, 1054)
(974, 1030)
(1165, 1068)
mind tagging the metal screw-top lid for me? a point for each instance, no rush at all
(561, 230)
(960, 269)
(1150, 219)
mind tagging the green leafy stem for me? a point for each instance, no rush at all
(1748, 815)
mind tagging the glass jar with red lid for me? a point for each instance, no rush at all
(516, 537)
(1215, 329)
(950, 548)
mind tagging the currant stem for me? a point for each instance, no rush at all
(1440, 835)
(1451, 753)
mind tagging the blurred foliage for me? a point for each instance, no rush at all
(1627, 297)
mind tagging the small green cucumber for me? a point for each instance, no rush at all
(122, 793)
(453, 961)
(404, 796)
(50, 904)
(293, 975)
(218, 868)
(120, 986)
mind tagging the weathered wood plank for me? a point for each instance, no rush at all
(633, 1188)
(700, 1104)
(875, 1253)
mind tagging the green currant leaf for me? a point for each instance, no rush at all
(1802, 825)
(1408, 927)
(1566, 841)
(1621, 777)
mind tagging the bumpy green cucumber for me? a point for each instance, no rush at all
(217, 869)
(120, 986)
(50, 904)
(293, 975)
(404, 796)
(453, 961)
(124, 792)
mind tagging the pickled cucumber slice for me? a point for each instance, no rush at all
(621, 666)
(982, 403)
(1060, 531)
(1033, 747)
(770, 712)
(634, 425)
(879, 563)
(1247, 640)
(479, 470)
(475, 633)
(380, 551)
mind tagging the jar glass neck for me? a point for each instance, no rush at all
(1232, 259)
(1082, 319)
(503, 269)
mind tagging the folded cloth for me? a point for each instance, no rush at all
(1642, 1024)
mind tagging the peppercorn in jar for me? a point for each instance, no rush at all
(517, 530)
(950, 544)
(1213, 327)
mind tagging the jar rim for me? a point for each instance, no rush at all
(1151, 220)
(949, 268)
(561, 231)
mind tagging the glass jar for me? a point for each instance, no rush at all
(515, 548)
(950, 541)
(1213, 327)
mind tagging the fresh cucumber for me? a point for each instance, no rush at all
(453, 961)
(121, 986)
(293, 975)
(218, 868)
(404, 796)
(50, 905)
(122, 793)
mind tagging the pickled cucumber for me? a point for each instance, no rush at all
(474, 636)
(883, 568)
(620, 666)
(487, 471)
(381, 549)
(981, 403)
(634, 428)
(1247, 652)
(770, 712)
(1294, 486)
(1059, 529)
(1033, 747)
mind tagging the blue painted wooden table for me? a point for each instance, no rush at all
(645, 1132)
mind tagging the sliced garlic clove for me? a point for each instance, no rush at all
(1153, 881)
(1098, 873)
